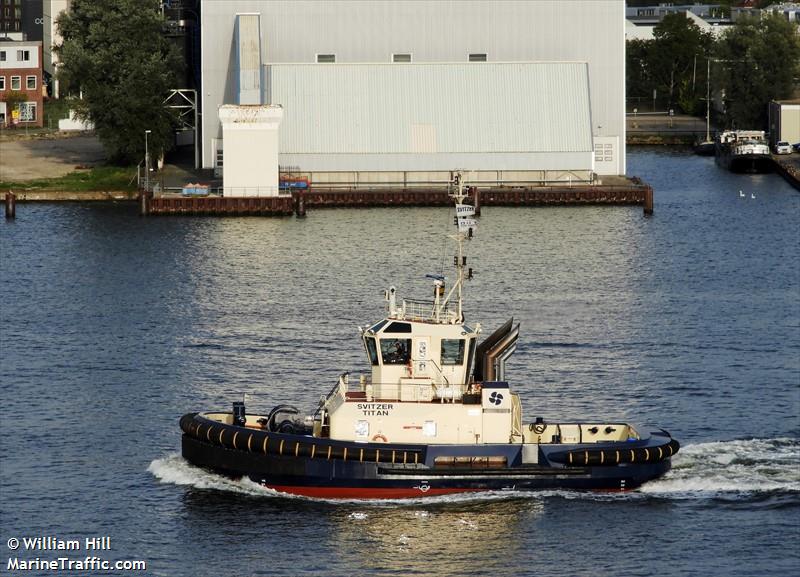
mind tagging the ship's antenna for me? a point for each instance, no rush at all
(465, 226)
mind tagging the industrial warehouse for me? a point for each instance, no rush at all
(404, 93)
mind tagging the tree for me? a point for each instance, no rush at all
(114, 53)
(761, 59)
(637, 75)
(672, 60)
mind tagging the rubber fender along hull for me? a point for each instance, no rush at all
(610, 457)
(282, 444)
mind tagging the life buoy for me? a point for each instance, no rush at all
(381, 438)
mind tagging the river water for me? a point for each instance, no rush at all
(113, 326)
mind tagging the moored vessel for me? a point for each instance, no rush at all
(743, 151)
(435, 415)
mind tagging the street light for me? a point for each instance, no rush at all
(146, 162)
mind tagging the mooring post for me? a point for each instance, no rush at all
(11, 205)
(144, 203)
(476, 200)
(648, 201)
(300, 207)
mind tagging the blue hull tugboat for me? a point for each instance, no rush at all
(436, 416)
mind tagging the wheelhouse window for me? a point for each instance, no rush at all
(326, 58)
(397, 327)
(377, 326)
(395, 351)
(372, 350)
(452, 351)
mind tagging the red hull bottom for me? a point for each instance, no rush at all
(364, 492)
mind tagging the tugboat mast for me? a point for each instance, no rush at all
(465, 225)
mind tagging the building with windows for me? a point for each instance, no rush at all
(21, 20)
(20, 83)
(403, 92)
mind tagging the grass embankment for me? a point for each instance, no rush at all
(98, 179)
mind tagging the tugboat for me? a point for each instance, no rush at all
(435, 416)
(743, 151)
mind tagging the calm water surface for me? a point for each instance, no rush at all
(113, 326)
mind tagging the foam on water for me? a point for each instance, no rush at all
(731, 470)
(175, 470)
(734, 470)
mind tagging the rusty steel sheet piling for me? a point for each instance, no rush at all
(300, 201)
(222, 206)
(475, 193)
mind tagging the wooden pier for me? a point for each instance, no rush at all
(637, 194)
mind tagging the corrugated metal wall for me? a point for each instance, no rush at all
(590, 31)
(396, 109)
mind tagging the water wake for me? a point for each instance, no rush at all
(741, 470)
(732, 470)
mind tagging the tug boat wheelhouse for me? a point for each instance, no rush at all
(435, 416)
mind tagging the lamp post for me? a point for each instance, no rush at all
(146, 162)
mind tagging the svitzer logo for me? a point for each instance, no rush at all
(496, 398)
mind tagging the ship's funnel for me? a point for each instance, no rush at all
(492, 353)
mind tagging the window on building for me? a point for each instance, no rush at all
(16, 83)
(30, 82)
(477, 57)
(27, 112)
(327, 58)
(401, 57)
(23, 55)
(2, 55)
(2, 82)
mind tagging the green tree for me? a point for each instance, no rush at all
(672, 61)
(115, 55)
(760, 60)
(637, 76)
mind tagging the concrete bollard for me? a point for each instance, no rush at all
(11, 205)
